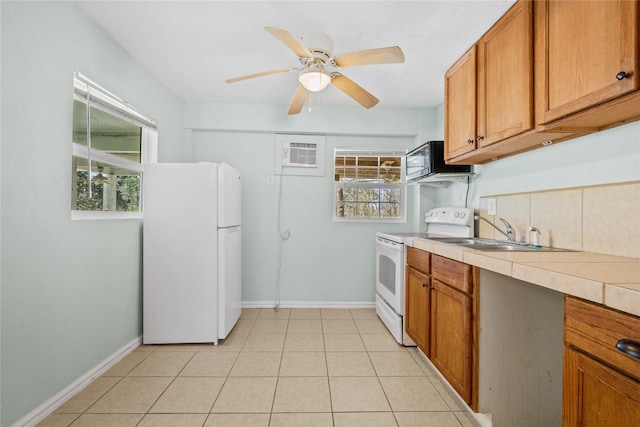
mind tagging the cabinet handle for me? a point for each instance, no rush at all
(469, 141)
(424, 285)
(629, 347)
(622, 75)
(480, 138)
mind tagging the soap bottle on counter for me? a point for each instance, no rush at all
(534, 232)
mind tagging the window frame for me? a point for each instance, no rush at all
(96, 97)
(372, 152)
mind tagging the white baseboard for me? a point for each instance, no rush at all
(309, 304)
(49, 406)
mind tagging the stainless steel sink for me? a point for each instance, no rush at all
(495, 245)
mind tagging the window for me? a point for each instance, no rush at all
(369, 185)
(110, 144)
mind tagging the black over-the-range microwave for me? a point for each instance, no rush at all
(427, 160)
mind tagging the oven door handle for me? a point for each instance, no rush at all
(389, 244)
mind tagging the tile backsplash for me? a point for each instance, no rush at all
(602, 219)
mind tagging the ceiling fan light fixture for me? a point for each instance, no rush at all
(314, 80)
(100, 178)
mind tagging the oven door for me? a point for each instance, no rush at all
(390, 273)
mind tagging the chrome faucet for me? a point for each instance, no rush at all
(508, 233)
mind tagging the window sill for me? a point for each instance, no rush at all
(364, 219)
(102, 215)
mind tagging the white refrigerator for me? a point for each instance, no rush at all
(191, 252)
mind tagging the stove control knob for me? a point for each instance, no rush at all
(462, 215)
(457, 214)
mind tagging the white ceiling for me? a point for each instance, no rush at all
(193, 46)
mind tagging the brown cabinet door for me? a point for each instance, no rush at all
(597, 395)
(460, 106)
(505, 76)
(451, 337)
(418, 295)
(582, 47)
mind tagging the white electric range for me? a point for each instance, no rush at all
(391, 257)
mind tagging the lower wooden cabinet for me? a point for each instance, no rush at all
(451, 338)
(439, 317)
(601, 384)
(596, 394)
(418, 303)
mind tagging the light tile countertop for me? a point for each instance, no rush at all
(606, 279)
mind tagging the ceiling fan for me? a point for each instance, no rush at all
(315, 53)
(100, 178)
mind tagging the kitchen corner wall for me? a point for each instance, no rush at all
(593, 219)
(324, 262)
(71, 290)
(584, 167)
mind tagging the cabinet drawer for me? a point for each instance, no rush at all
(453, 273)
(420, 260)
(595, 330)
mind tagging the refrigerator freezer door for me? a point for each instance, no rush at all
(229, 189)
(180, 294)
(229, 278)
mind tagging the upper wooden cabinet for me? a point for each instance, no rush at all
(460, 106)
(505, 77)
(489, 91)
(586, 54)
(546, 72)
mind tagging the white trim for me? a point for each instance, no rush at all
(94, 95)
(370, 152)
(373, 152)
(309, 304)
(102, 97)
(82, 151)
(91, 215)
(57, 400)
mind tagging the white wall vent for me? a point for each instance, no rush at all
(300, 154)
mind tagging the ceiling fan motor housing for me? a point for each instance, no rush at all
(320, 46)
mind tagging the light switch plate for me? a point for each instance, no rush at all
(491, 206)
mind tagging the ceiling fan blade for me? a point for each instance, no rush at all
(264, 73)
(352, 89)
(383, 55)
(290, 41)
(298, 101)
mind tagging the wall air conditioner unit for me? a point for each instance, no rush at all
(300, 154)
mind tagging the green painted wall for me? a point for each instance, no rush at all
(71, 290)
(606, 157)
(324, 261)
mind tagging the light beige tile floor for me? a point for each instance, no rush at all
(291, 367)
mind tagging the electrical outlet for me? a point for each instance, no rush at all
(270, 179)
(491, 206)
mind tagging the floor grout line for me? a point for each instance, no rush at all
(363, 328)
